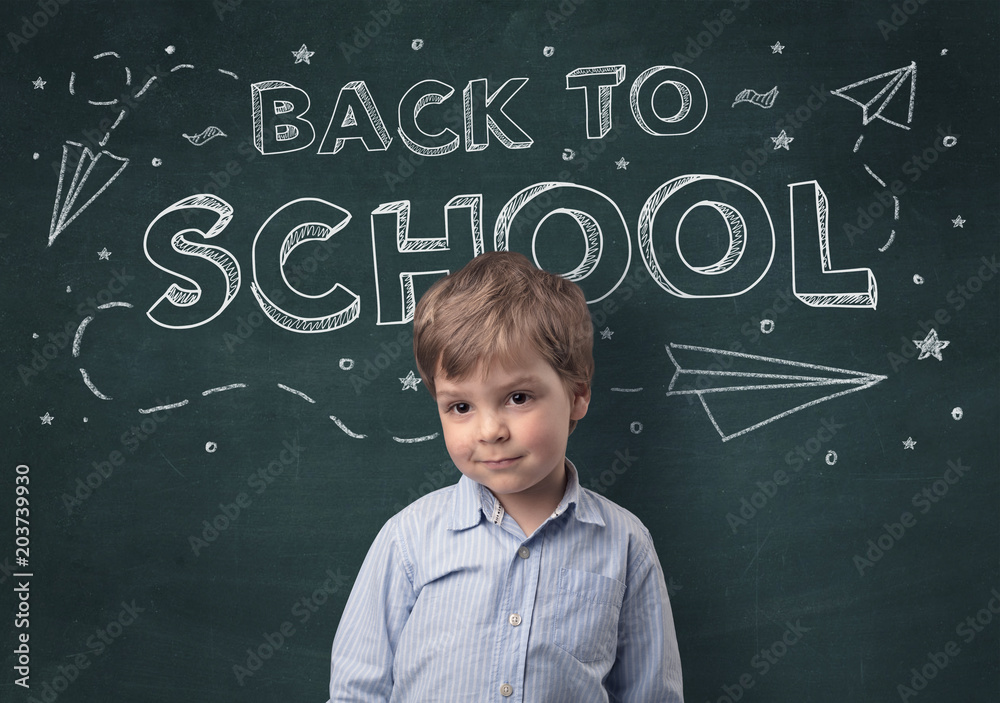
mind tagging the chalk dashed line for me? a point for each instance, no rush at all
(171, 406)
(79, 334)
(91, 386)
(114, 304)
(414, 440)
(223, 388)
(347, 431)
(872, 174)
(626, 390)
(298, 393)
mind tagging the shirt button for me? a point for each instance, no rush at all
(524, 552)
(514, 619)
(506, 689)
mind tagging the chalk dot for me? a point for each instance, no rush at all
(157, 161)
(35, 156)
(34, 335)
(957, 413)
(548, 51)
(918, 279)
(949, 141)
(635, 427)
(568, 155)
(171, 49)
(346, 364)
(211, 447)
(86, 419)
(831, 457)
(767, 326)
(69, 289)
(417, 44)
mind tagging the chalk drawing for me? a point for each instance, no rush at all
(857, 144)
(782, 141)
(895, 208)
(777, 47)
(417, 44)
(830, 458)
(295, 392)
(356, 94)
(303, 54)
(626, 390)
(766, 326)
(621, 164)
(410, 381)
(114, 304)
(86, 165)
(918, 279)
(347, 431)
(46, 418)
(867, 298)
(210, 447)
(606, 333)
(892, 236)
(958, 222)
(346, 364)
(568, 155)
(104, 254)
(39, 83)
(158, 408)
(171, 49)
(228, 73)
(870, 173)
(764, 101)
(957, 413)
(949, 141)
(799, 375)
(179, 66)
(220, 389)
(635, 427)
(414, 440)
(79, 334)
(206, 135)
(908, 443)
(598, 103)
(548, 51)
(693, 103)
(874, 107)
(931, 346)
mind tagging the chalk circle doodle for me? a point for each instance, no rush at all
(949, 141)
(210, 447)
(417, 44)
(568, 155)
(548, 51)
(346, 364)
(635, 427)
(766, 326)
(830, 458)
(156, 162)
(918, 279)
(957, 413)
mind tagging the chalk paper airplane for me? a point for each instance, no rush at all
(730, 377)
(874, 107)
(88, 167)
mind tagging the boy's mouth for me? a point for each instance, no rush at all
(499, 463)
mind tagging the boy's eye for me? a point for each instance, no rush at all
(519, 398)
(460, 408)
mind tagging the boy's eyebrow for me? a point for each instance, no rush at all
(526, 380)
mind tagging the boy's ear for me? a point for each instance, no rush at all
(580, 402)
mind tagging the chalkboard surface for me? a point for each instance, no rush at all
(217, 217)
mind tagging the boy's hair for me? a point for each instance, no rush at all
(493, 310)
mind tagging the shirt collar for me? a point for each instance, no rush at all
(472, 502)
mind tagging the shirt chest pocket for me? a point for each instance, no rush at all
(586, 614)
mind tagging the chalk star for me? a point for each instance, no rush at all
(908, 443)
(104, 254)
(782, 141)
(410, 382)
(622, 164)
(958, 222)
(302, 54)
(46, 419)
(931, 346)
(776, 48)
(606, 333)
(39, 83)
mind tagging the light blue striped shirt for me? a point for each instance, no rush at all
(454, 603)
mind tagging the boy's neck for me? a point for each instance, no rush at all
(529, 509)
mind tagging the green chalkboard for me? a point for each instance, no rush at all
(217, 217)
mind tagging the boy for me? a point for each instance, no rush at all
(515, 584)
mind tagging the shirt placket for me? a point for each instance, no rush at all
(514, 617)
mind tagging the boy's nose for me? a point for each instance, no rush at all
(492, 428)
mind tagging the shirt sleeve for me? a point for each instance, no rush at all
(364, 648)
(648, 665)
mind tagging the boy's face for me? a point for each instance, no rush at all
(508, 430)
